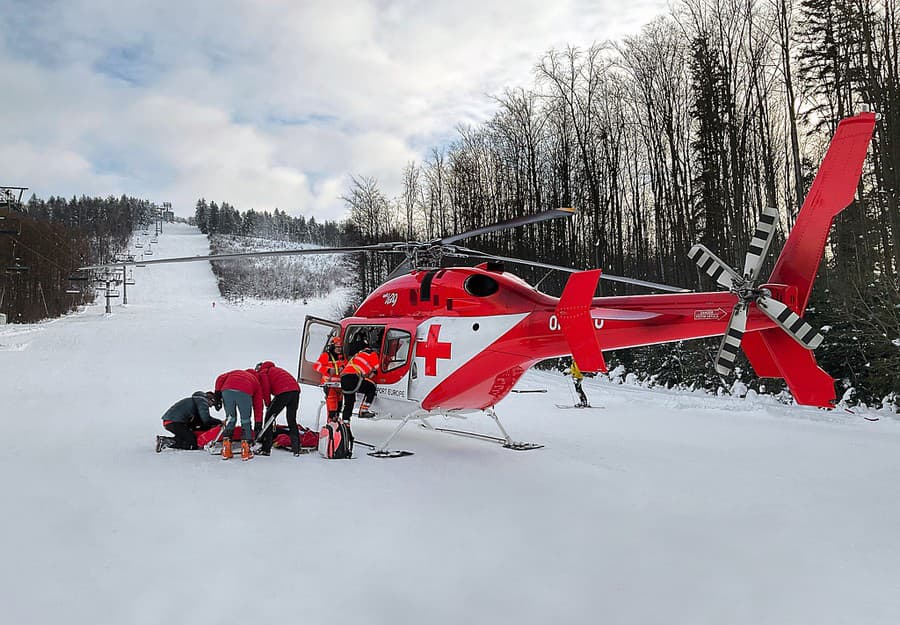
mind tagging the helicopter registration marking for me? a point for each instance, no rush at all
(554, 323)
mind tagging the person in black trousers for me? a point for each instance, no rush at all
(282, 386)
(186, 416)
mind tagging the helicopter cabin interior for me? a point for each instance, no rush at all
(392, 341)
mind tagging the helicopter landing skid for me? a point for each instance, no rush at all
(514, 445)
(382, 451)
(397, 453)
(504, 440)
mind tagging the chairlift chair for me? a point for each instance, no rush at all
(139, 245)
(17, 267)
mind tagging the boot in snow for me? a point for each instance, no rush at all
(163, 442)
(226, 449)
(246, 454)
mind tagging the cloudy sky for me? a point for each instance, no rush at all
(262, 103)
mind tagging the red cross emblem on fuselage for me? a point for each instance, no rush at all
(432, 349)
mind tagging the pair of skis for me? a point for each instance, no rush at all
(565, 407)
(212, 446)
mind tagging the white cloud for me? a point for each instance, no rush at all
(263, 104)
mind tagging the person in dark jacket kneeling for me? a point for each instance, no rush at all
(186, 416)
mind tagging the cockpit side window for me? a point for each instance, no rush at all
(396, 349)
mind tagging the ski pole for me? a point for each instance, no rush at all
(210, 445)
(265, 427)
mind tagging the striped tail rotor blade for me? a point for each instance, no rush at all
(714, 266)
(731, 342)
(790, 322)
(759, 245)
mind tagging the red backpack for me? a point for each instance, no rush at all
(336, 440)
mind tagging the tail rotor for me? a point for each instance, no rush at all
(745, 288)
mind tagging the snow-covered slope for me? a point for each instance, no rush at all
(659, 508)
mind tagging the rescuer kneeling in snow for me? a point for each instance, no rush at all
(184, 418)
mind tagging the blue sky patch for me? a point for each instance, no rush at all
(133, 64)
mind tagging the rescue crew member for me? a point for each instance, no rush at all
(330, 364)
(280, 383)
(185, 416)
(578, 378)
(356, 377)
(239, 390)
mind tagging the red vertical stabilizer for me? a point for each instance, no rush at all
(830, 193)
(574, 315)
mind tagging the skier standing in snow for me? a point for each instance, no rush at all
(280, 383)
(329, 365)
(239, 390)
(185, 416)
(356, 377)
(578, 378)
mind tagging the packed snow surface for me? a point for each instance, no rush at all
(659, 508)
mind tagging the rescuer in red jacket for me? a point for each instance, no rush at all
(239, 390)
(356, 377)
(329, 365)
(280, 383)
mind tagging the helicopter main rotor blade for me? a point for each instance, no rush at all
(467, 253)
(509, 223)
(384, 247)
(403, 268)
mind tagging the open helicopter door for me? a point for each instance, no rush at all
(315, 335)
(394, 369)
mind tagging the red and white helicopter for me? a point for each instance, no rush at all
(456, 340)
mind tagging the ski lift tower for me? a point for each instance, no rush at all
(11, 198)
(11, 201)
